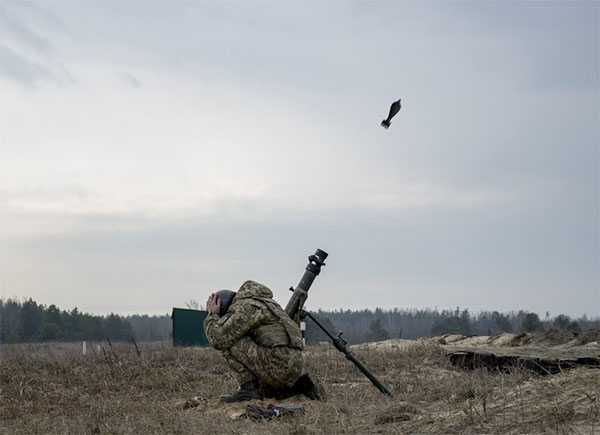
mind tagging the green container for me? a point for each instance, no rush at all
(188, 327)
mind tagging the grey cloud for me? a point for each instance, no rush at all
(557, 41)
(496, 96)
(491, 257)
(29, 55)
(14, 66)
(27, 72)
(41, 15)
(46, 193)
(429, 41)
(131, 79)
(22, 34)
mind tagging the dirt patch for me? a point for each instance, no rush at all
(476, 340)
(394, 343)
(549, 337)
(502, 340)
(590, 337)
(450, 338)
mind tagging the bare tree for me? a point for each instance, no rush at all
(193, 304)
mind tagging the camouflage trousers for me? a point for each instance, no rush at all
(278, 366)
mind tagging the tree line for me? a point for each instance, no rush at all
(28, 321)
(365, 325)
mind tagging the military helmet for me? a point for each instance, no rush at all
(226, 297)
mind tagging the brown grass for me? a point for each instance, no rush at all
(51, 388)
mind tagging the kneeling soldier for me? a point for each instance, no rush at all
(259, 341)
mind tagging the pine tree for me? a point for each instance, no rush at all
(377, 331)
(531, 323)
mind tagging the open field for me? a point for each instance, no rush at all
(52, 388)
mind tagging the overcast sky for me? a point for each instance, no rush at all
(154, 152)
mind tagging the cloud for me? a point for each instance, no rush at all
(256, 131)
(29, 56)
(30, 72)
(131, 79)
(14, 66)
(384, 259)
(21, 34)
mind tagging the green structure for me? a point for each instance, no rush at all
(188, 327)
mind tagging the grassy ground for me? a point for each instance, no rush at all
(51, 388)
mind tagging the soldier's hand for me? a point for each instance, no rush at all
(213, 305)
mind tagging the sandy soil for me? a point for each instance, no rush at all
(548, 344)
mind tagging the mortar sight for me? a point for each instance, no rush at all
(316, 260)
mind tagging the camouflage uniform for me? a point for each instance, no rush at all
(257, 338)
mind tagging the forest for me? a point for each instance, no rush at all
(27, 321)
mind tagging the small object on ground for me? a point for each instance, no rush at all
(256, 412)
(394, 108)
(248, 391)
(286, 408)
(194, 401)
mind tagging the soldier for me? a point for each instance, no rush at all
(259, 341)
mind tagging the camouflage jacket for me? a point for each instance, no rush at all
(253, 312)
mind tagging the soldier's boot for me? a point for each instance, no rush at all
(248, 391)
(305, 385)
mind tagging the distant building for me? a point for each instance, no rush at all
(188, 327)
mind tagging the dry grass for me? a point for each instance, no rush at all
(53, 389)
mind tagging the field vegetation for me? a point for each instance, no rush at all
(121, 388)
